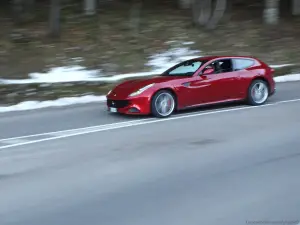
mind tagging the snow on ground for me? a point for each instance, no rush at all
(162, 61)
(158, 62)
(188, 43)
(287, 78)
(57, 75)
(29, 105)
(280, 66)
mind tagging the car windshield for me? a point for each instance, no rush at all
(187, 68)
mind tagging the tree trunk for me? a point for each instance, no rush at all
(54, 19)
(296, 7)
(184, 4)
(218, 14)
(30, 9)
(30, 5)
(90, 7)
(135, 15)
(17, 8)
(271, 12)
(201, 11)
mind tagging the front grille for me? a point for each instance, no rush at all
(117, 103)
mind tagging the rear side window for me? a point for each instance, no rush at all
(240, 64)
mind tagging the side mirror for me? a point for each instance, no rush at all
(208, 71)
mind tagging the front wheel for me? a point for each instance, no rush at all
(163, 104)
(258, 92)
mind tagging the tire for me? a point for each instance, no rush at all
(262, 96)
(162, 98)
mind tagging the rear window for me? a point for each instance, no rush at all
(240, 64)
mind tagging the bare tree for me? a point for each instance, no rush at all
(23, 10)
(30, 9)
(90, 7)
(135, 16)
(296, 7)
(208, 13)
(201, 10)
(184, 4)
(271, 12)
(218, 14)
(54, 18)
(29, 5)
(17, 8)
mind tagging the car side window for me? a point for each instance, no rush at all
(240, 64)
(221, 66)
(225, 66)
(184, 69)
(213, 65)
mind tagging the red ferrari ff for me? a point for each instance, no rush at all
(195, 82)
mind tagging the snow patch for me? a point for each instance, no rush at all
(159, 62)
(123, 76)
(30, 105)
(58, 75)
(287, 78)
(170, 42)
(280, 66)
(162, 61)
(188, 43)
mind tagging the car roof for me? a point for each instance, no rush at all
(208, 58)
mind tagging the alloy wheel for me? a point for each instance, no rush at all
(259, 92)
(164, 104)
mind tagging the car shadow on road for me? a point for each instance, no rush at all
(185, 111)
(211, 107)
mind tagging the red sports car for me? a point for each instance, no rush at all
(195, 82)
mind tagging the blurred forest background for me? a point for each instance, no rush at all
(118, 35)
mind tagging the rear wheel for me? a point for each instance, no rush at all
(163, 104)
(258, 92)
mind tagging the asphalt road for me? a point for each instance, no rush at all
(229, 166)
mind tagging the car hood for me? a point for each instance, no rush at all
(127, 87)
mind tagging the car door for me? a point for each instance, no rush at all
(197, 90)
(224, 82)
(201, 88)
(218, 86)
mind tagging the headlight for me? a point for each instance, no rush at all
(109, 92)
(141, 90)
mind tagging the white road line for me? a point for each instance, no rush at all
(13, 141)
(141, 122)
(83, 129)
(91, 129)
(56, 133)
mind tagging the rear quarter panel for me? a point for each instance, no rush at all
(258, 70)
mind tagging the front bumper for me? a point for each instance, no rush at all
(132, 106)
